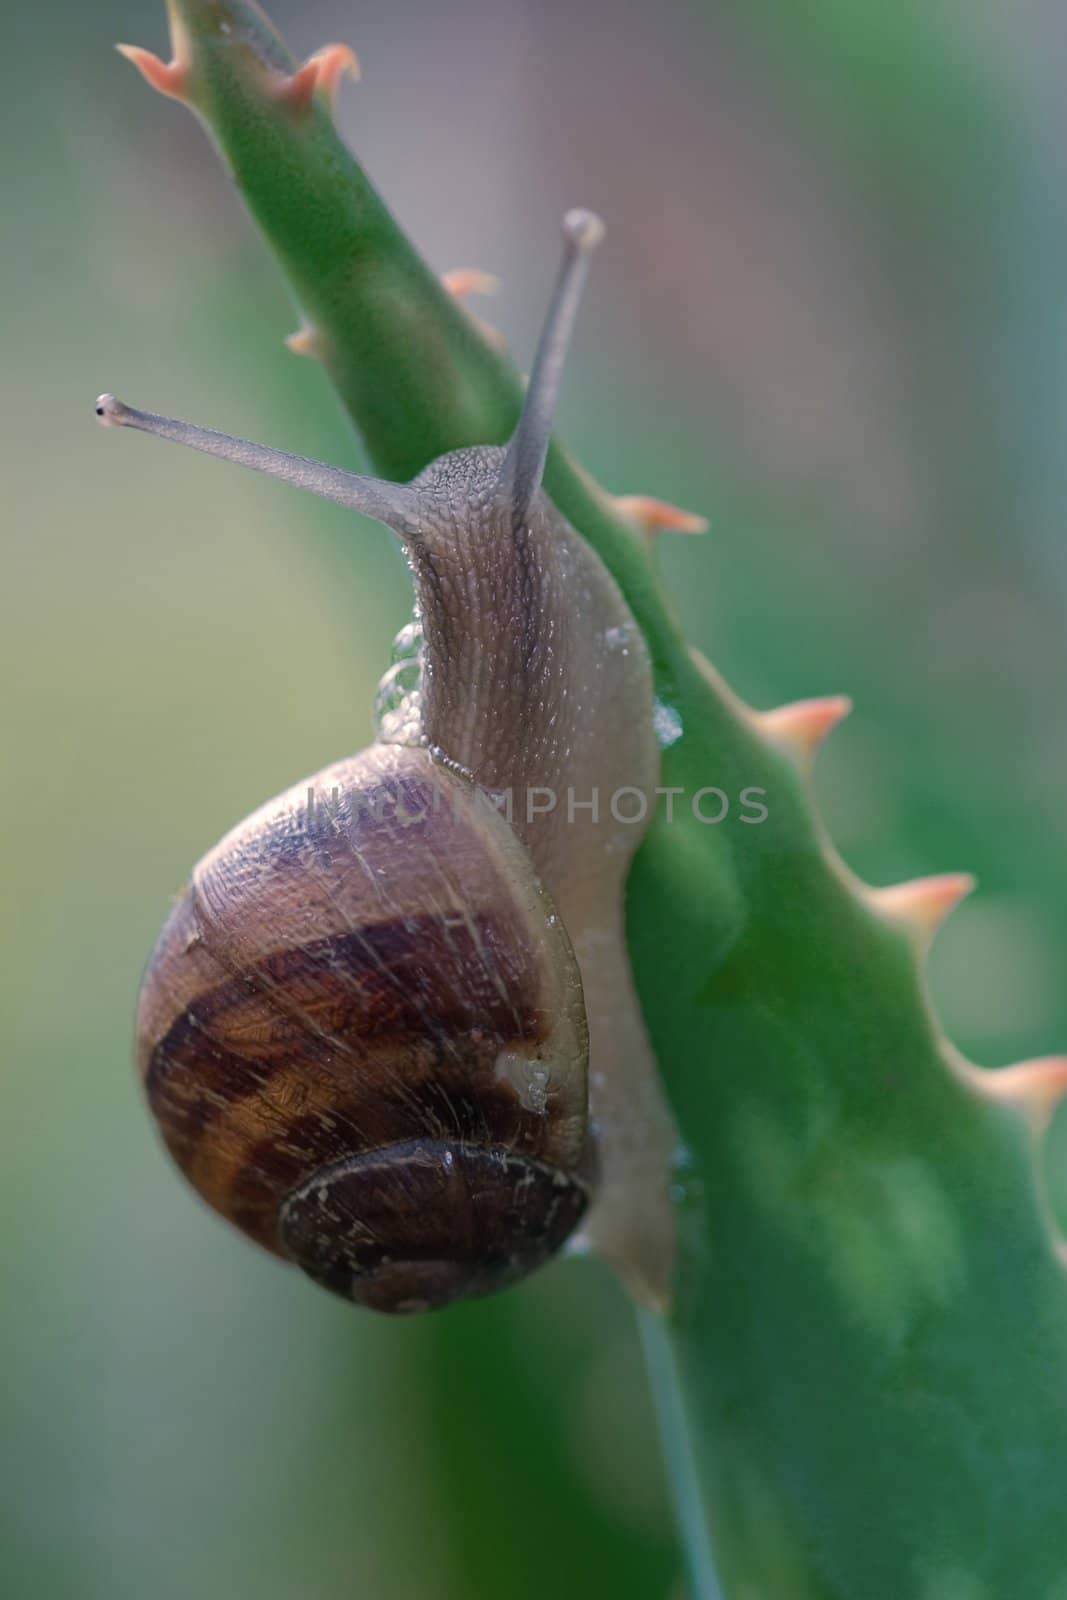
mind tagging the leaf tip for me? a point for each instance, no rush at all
(168, 77)
(464, 281)
(923, 904)
(653, 517)
(321, 74)
(461, 283)
(1034, 1087)
(304, 342)
(802, 725)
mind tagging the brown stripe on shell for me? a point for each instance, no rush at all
(388, 1034)
(488, 1114)
(415, 979)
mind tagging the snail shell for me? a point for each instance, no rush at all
(382, 1078)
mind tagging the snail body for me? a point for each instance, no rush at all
(389, 1030)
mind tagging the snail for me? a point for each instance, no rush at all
(389, 1029)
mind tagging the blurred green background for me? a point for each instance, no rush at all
(830, 314)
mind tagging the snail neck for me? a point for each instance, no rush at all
(535, 677)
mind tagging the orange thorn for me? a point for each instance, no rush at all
(652, 516)
(1035, 1087)
(464, 281)
(169, 77)
(923, 904)
(304, 342)
(804, 724)
(323, 72)
(334, 60)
